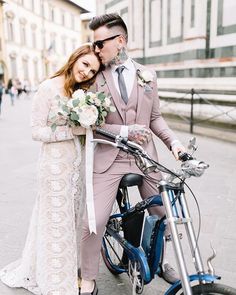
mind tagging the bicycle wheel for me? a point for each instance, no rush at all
(207, 289)
(211, 289)
(112, 252)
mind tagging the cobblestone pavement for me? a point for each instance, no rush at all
(215, 192)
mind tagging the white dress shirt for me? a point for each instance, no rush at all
(129, 73)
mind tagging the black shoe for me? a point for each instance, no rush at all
(79, 278)
(95, 291)
(79, 273)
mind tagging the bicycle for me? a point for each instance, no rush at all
(136, 249)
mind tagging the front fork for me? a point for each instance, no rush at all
(173, 219)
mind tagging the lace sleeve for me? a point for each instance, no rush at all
(41, 107)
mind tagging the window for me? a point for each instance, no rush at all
(10, 26)
(36, 73)
(33, 35)
(42, 9)
(63, 40)
(22, 34)
(51, 13)
(10, 31)
(32, 5)
(52, 46)
(72, 22)
(43, 35)
(74, 43)
(63, 17)
(25, 68)
(13, 65)
(192, 13)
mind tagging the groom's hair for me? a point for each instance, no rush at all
(109, 20)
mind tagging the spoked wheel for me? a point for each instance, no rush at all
(112, 252)
(208, 289)
(135, 277)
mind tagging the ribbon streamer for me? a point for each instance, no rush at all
(89, 155)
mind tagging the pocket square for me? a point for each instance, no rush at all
(147, 88)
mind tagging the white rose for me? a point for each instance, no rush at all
(112, 109)
(88, 116)
(147, 76)
(107, 102)
(97, 102)
(79, 94)
(92, 95)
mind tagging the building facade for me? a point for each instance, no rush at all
(191, 44)
(39, 35)
(87, 34)
(2, 45)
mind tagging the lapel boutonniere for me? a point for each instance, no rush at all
(144, 78)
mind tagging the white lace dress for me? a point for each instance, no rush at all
(50, 259)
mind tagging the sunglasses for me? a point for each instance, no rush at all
(100, 44)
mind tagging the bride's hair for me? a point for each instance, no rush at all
(70, 84)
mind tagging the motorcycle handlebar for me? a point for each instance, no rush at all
(106, 133)
(130, 144)
(190, 165)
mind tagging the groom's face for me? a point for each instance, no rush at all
(106, 43)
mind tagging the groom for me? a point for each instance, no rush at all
(133, 89)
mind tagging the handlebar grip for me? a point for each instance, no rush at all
(106, 133)
(184, 156)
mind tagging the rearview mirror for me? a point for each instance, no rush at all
(192, 144)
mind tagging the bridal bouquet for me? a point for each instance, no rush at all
(85, 109)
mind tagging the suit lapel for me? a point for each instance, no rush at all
(112, 90)
(140, 92)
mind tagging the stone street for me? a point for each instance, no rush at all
(215, 193)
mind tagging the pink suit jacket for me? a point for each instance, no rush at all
(147, 113)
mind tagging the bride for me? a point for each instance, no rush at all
(50, 260)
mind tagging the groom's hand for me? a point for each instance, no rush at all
(176, 147)
(139, 134)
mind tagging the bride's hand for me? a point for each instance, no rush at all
(78, 130)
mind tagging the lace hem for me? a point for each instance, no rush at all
(50, 258)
